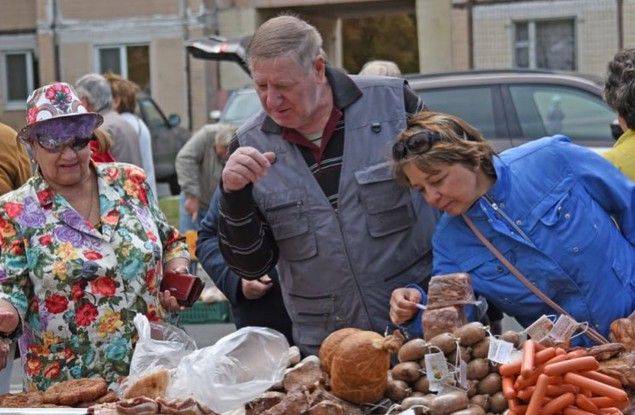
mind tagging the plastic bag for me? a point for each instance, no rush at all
(234, 371)
(160, 346)
(451, 289)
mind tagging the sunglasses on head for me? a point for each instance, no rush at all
(418, 143)
(56, 145)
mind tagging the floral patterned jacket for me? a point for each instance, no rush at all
(77, 288)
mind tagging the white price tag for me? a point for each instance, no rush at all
(499, 351)
(540, 328)
(437, 370)
(408, 412)
(463, 374)
(563, 329)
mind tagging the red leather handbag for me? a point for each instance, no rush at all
(186, 288)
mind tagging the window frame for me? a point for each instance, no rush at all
(11, 105)
(123, 56)
(531, 44)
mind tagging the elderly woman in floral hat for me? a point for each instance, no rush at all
(83, 247)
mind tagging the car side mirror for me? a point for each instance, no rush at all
(174, 120)
(214, 116)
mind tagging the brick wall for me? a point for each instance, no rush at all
(17, 15)
(596, 30)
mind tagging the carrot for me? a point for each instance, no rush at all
(586, 393)
(508, 388)
(610, 411)
(522, 383)
(558, 404)
(525, 394)
(556, 359)
(583, 402)
(557, 390)
(578, 364)
(602, 401)
(601, 377)
(513, 368)
(536, 398)
(560, 350)
(576, 353)
(539, 347)
(555, 380)
(596, 387)
(516, 408)
(572, 410)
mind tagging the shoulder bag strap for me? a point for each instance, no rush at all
(591, 332)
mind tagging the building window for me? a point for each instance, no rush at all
(548, 44)
(130, 61)
(20, 68)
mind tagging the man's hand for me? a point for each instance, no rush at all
(245, 165)
(403, 304)
(9, 318)
(191, 206)
(255, 289)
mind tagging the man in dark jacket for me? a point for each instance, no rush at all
(254, 302)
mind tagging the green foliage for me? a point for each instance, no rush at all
(391, 37)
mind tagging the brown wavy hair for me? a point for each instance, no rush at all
(459, 143)
(125, 90)
(103, 139)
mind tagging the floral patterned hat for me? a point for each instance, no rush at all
(56, 112)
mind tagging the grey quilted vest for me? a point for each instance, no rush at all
(338, 268)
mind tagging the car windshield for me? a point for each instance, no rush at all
(151, 114)
(240, 106)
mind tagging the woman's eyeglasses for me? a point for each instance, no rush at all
(418, 143)
(56, 145)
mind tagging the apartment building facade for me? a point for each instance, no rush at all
(45, 40)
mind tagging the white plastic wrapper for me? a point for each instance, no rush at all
(160, 346)
(234, 371)
(225, 376)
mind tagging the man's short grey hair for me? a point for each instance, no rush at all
(286, 35)
(95, 89)
(381, 68)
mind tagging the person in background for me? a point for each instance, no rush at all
(256, 302)
(307, 188)
(124, 98)
(15, 169)
(83, 248)
(619, 93)
(381, 68)
(100, 147)
(198, 167)
(548, 206)
(95, 92)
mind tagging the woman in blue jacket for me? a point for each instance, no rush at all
(562, 215)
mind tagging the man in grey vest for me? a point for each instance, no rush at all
(308, 186)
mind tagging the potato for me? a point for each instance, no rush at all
(477, 369)
(444, 341)
(448, 403)
(470, 410)
(330, 344)
(480, 349)
(409, 372)
(422, 385)
(490, 384)
(472, 388)
(497, 403)
(412, 351)
(466, 354)
(512, 337)
(397, 390)
(417, 394)
(470, 333)
(480, 400)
